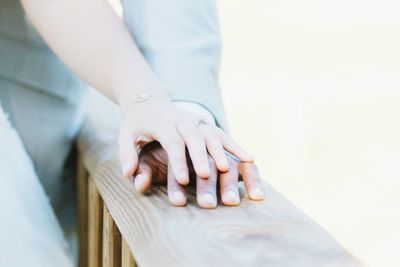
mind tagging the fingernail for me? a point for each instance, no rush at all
(207, 200)
(126, 169)
(206, 170)
(230, 198)
(178, 198)
(256, 194)
(224, 165)
(139, 182)
(249, 157)
(183, 178)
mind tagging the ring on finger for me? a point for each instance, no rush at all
(201, 122)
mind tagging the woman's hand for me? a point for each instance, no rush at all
(153, 168)
(154, 117)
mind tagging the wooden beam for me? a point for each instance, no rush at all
(269, 233)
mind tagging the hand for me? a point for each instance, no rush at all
(153, 168)
(156, 118)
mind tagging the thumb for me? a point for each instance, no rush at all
(128, 154)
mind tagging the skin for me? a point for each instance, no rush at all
(154, 169)
(98, 47)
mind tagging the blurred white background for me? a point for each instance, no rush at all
(312, 89)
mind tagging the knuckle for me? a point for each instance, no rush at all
(197, 150)
(208, 131)
(179, 158)
(227, 137)
(214, 143)
(176, 142)
(194, 137)
(220, 152)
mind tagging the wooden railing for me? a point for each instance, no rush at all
(100, 240)
(101, 243)
(117, 224)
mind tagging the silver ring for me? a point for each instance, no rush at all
(201, 122)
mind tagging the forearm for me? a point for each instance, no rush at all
(89, 37)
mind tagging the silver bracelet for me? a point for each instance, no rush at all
(142, 98)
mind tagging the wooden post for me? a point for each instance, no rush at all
(126, 256)
(111, 248)
(111, 241)
(95, 226)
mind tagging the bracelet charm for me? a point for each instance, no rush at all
(142, 97)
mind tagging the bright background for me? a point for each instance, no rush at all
(312, 89)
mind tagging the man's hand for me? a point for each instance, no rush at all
(153, 168)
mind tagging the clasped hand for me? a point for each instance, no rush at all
(160, 143)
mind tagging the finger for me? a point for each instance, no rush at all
(175, 148)
(206, 188)
(252, 180)
(176, 192)
(128, 154)
(143, 177)
(229, 186)
(197, 149)
(232, 147)
(216, 150)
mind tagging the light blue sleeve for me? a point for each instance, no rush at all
(181, 41)
(27, 61)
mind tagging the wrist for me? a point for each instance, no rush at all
(145, 98)
(137, 97)
(127, 91)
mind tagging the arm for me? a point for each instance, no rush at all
(89, 37)
(180, 39)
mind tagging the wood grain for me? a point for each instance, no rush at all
(269, 233)
(95, 225)
(111, 241)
